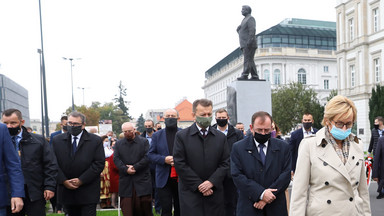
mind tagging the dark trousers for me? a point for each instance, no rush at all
(230, 196)
(35, 208)
(136, 206)
(81, 210)
(167, 194)
(249, 62)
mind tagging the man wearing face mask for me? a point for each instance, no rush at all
(148, 124)
(135, 185)
(37, 161)
(297, 135)
(233, 135)
(201, 158)
(260, 168)
(160, 153)
(377, 132)
(80, 156)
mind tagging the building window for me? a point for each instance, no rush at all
(353, 78)
(351, 29)
(326, 69)
(376, 63)
(326, 84)
(276, 77)
(302, 76)
(266, 75)
(375, 19)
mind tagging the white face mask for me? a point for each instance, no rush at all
(106, 144)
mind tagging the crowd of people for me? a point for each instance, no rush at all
(204, 169)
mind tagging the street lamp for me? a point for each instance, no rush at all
(71, 59)
(83, 88)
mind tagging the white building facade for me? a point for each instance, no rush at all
(288, 52)
(360, 42)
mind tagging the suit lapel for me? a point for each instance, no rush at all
(164, 140)
(329, 156)
(251, 149)
(354, 156)
(272, 151)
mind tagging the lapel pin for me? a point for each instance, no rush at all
(250, 152)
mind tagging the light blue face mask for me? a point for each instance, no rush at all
(340, 134)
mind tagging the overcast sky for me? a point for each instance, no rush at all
(158, 49)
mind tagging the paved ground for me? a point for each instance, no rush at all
(377, 206)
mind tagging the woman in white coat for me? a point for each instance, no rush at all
(330, 174)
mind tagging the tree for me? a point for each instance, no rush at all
(376, 103)
(332, 94)
(140, 124)
(119, 100)
(290, 102)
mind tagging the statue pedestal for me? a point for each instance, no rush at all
(245, 97)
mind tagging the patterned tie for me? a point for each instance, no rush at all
(204, 132)
(74, 145)
(261, 152)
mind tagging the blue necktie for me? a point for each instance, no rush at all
(74, 145)
(261, 152)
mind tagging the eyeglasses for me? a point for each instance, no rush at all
(74, 124)
(342, 124)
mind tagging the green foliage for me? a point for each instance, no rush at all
(376, 103)
(119, 100)
(290, 102)
(140, 124)
(332, 94)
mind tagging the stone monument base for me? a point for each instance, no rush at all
(245, 97)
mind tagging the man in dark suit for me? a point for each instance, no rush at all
(80, 156)
(135, 185)
(247, 37)
(160, 153)
(378, 167)
(260, 167)
(63, 126)
(298, 135)
(10, 170)
(233, 135)
(37, 162)
(201, 157)
(376, 133)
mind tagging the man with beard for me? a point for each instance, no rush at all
(260, 168)
(135, 186)
(160, 153)
(80, 156)
(37, 161)
(298, 135)
(201, 158)
(233, 135)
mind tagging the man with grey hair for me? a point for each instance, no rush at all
(80, 156)
(135, 186)
(247, 38)
(160, 153)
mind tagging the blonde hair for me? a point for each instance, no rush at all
(339, 105)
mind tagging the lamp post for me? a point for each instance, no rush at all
(44, 102)
(83, 88)
(71, 59)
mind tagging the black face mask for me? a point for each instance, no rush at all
(376, 126)
(260, 138)
(14, 131)
(65, 127)
(307, 125)
(170, 122)
(158, 129)
(222, 122)
(149, 130)
(75, 130)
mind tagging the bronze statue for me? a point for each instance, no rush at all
(248, 45)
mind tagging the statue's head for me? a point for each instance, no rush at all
(246, 10)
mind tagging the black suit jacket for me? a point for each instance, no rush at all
(251, 177)
(294, 142)
(87, 164)
(198, 159)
